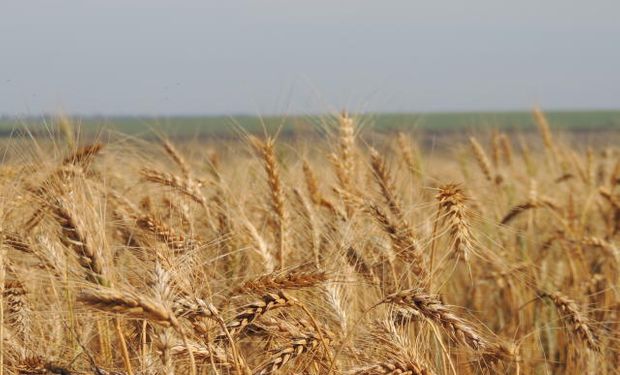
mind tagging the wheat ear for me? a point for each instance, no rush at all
(267, 151)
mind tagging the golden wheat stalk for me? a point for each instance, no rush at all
(128, 304)
(176, 156)
(18, 312)
(430, 307)
(403, 241)
(412, 163)
(346, 143)
(295, 348)
(74, 237)
(452, 204)
(576, 321)
(384, 180)
(529, 205)
(481, 158)
(267, 151)
(544, 129)
(391, 367)
(135, 306)
(83, 156)
(166, 234)
(283, 280)
(185, 187)
(253, 311)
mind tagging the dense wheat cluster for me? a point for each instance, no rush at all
(349, 253)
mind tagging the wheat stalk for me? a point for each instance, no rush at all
(574, 318)
(177, 158)
(430, 307)
(402, 239)
(481, 158)
(452, 204)
(267, 152)
(255, 310)
(295, 348)
(185, 187)
(281, 281)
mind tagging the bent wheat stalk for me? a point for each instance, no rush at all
(296, 347)
(430, 307)
(136, 306)
(575, 319)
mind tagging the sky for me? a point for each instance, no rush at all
(228, 57)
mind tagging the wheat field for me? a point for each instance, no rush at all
(349, 253)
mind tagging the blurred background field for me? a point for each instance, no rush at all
(201, 126)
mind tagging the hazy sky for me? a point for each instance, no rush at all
(268, 56)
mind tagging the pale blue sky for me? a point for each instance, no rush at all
(270, 56)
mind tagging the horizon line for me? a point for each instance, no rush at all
(308, 114)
